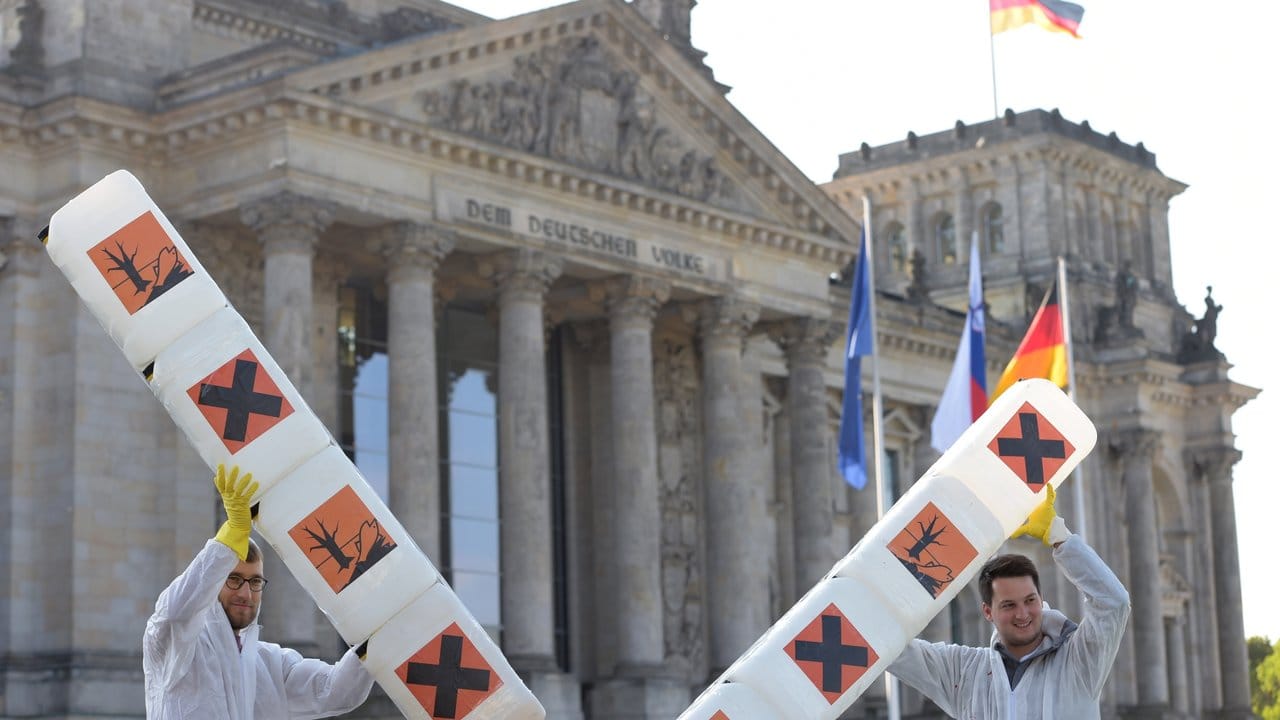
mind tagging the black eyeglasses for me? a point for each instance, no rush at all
(255, 583)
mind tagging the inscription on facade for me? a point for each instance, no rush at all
(576, 235)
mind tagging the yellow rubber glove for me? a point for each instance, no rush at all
(1044, 523)
(235, 492)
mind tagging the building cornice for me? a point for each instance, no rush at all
(167, 136)
(982, 165)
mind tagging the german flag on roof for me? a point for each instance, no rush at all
(1043, 352)
(1052, 15)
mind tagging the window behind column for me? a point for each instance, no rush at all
(993, 228)
(362, 382)
(896, 243)
(467, 373)
(944, 233)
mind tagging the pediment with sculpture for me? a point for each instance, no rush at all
(573, 102)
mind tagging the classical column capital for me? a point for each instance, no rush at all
(414, 248)
(1134, 444)
(634, 297)
(1211, 464)
(287, 221)
(521, 274)
(726, 318)
(805, 340)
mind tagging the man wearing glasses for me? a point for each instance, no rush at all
(201, 657)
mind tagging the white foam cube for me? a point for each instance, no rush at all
(130, 266)
(343, 545)
(841, 618)
(187, 381)
(433, 657)
(730, 701)
(971, 460)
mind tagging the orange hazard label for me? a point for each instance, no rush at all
(932, 549)
(831, 653)
(342, 539)
(140, 262)
(449, 676)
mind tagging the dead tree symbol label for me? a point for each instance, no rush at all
(932, 549)
(140, 262)
(342, 539)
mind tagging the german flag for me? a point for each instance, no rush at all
(1043, 352)
(1052, 15)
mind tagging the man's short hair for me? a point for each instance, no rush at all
(1005, 566)
(254, 554)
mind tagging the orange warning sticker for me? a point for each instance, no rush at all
(140, 262)
(449, 676)
(831, 653)
(342, 539)
(1031, 447)
(240, 401)
(932, 549)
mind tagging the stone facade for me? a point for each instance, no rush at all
(563, 209)
(1031, 187)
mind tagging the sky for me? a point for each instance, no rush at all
(820, 77)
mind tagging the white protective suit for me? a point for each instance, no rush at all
(194, 671)
(1063, 678)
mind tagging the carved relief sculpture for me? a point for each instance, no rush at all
(569, 102)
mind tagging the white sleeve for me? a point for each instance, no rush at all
(1092, 647)
(316, 689)
(939, 671)
(174, 628)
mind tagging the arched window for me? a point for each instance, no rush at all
(944, 233)
(993, 228)
(896, 243)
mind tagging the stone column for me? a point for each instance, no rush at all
(289, 226)
(738, 602)
(632, 303)
(965, 221)
(1232, 652)
(24, 328)
(914, 210)
(1176, 641)
(806, 342)
(524, 455)
(1204, 600)
(413, 253)
(326, 389)
(1136, 450)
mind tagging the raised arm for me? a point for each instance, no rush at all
(1092, 648)
(170, 638)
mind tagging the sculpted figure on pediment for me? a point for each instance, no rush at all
(569, 101)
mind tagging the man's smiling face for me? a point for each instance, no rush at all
(1015, 610)
(241, 605)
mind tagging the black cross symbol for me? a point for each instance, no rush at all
(240, 400)
(1031, 448)
(448, 677)
(832, 653)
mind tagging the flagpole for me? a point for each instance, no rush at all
(877, 411)
(1077, 490)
